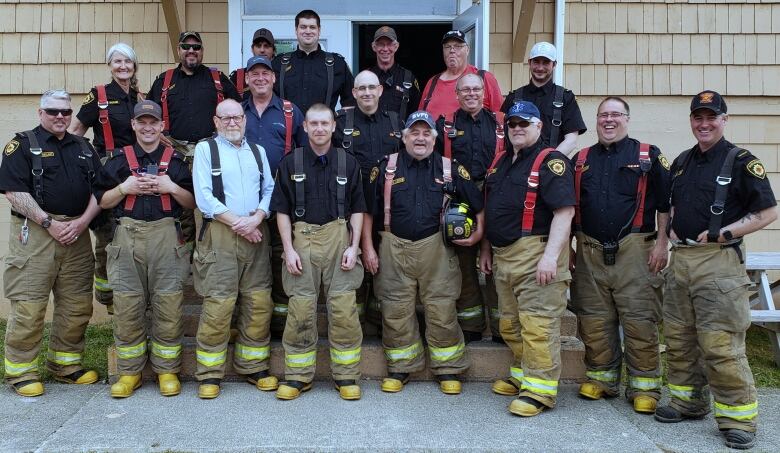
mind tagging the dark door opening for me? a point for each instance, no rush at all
(419, 50)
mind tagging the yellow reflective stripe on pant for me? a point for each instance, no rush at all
(495, 313)
(516, 373)
(301, 360)
(540, 386)
(645, 383)
(407, 353)
(445, 354)
(101, 284)
(64, 358)
(252, 353)
(166, 352)
(361, 309)
(603, 376)
(131, 352)
(681, 392)
(210, 358)
(470, 313)
(280, 309)
(345, 357)
(18, 369)
(745, 412)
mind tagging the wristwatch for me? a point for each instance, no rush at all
(46, 223)
(727, 235)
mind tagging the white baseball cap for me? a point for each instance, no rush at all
(545, 50)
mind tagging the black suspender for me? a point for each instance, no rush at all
(721, 193)
(341, 183)
(299, 176)
(407, 85)
(396, 131)
(349, 127)
(427, 100)
(285, 68)
(557, 114)
(217, 187)
(37, 167)
(329, 61)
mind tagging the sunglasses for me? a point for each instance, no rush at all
(55, 112)
(195, 47)
(514, 124)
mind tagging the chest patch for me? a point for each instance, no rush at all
(399, 180)
(374, 174)
(756, 168)
(112, 102)
(47, 154)
(664, 162)
(557, 166)
(90, 97)
(464, 173)
(355, 133)
(12, 146)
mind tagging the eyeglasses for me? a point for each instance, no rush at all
(367, 87)
(195, 47)
(469, 90)
(227, 119)
(55, 112)
(451, 47)
(523, 124)
(611, 115)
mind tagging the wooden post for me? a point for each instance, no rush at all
(174, 20)
(522, 29)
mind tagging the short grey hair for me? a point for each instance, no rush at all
(54, 94)
(405, 132)
(124, 49)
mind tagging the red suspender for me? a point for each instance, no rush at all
(132, 162)
(164, 100)
(102, 102)
(240, 81)
(392, 161)
(530, 195)
(499, 132)
(582, 156)
(645, 165)
(218, 84)
(288, 125)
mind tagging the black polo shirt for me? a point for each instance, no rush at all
(506, 190)
(146, 207)
(608, 192)
(306, 79)
(120, 111)
(192, 101)
(393, 94)
(474, 145)
(320, 194)
(66, 179)
(693, 188)
(543, 98)
(417, 195)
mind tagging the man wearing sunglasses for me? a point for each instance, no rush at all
(560, 113)
(529, 206)
(620, 224)
(46, 175)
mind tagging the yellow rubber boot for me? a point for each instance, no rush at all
(292, 390)
(449, 384)
(506, 387)
(28, 388)
(591, 391)
(645, 404)
(169, 384)
(395, 382)
(526, 407)
(81, 377)
(126, 385)
(209, 389)
(348, 390)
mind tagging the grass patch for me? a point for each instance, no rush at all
(99, 338)
(762, 360)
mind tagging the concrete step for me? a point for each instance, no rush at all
(489, 361)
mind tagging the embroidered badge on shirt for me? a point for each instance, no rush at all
(464, 173)
(88, 99)
(48, 154)
(12, 146)
(374, 174)
(399, 180)
(557, 166)
(756, 168)
(664, 161)
(355, 133)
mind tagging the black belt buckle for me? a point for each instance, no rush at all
(609, 251)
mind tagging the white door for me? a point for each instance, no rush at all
(473, 22)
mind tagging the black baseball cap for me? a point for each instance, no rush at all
(256, 60)
(710, 100)
(453, 34)
(189, 34)
(385, 32)
(264, 33)
(147, 108)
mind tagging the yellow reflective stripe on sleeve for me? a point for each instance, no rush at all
(470, 313)
(681, 392)
(166, 352)
(301, 360)
(101, 284)
(280, 309)
(210, 358)
(516, 373)
(348, 357)
(645, 383)
(445, 354)
(603, 376)
(745, 412)
(252, 353)
(18, 369)
(131, 352)
(407, 353)
(64, 358)
(540, 386)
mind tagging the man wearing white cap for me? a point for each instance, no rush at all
(561, 115)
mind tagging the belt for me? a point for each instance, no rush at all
(16, 214)
(596, 244)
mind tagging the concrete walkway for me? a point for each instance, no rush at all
(72, 418)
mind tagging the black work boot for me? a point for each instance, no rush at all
(741, 440)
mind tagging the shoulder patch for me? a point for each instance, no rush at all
(664, 162)
(90, 97)
(557, 166)
(12, 146)
(374, 174)
(464, 173)
(756, 168)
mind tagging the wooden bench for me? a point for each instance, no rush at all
(764, 312)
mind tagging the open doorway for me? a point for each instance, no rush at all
(420, 49)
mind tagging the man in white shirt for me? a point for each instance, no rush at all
(232, 261)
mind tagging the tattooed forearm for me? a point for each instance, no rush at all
(25, 204)
(750, 216)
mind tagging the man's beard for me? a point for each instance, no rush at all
(232, 136)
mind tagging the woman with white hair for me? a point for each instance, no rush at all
(107, 109)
